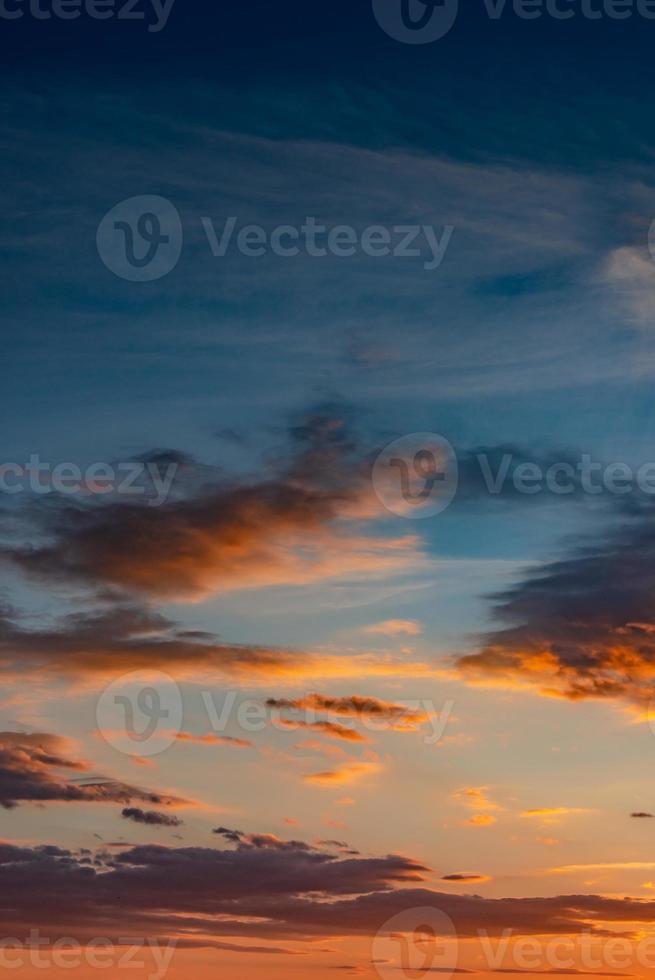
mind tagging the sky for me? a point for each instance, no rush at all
(327, 558)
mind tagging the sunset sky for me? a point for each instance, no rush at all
(380, 717)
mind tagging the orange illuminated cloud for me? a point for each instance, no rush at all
(397, 717)
(329, 728)
(465, 878)
(347, 774)
(131, 639)
(604, 866)
(211, 739)
(307, 519)
(481, 820)
(579, 627)
(395, 627)
(476, 797)
(303, 521)
(553, 812)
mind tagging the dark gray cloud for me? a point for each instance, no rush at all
(123, 636)
(37, 769)
(463, 877)
(261, 841)
(152, 818)
(212, 531)
(581, 626)
(266, 893)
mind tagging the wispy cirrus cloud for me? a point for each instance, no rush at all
(629, 271)
(211, 739)
(330, 729)
(552, 813)
(395, 627)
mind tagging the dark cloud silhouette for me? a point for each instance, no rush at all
(152, 818)
(214, 533)
(37, 769)
(261, 841)
(353, 706)
(265, 893)
(233, 836)
(303, 520)
(127, 636)
(582, 626)
(464, 877)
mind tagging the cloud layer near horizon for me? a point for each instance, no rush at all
(264, 888)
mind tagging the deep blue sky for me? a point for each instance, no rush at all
(533, 138)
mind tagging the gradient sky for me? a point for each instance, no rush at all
(521, 625)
